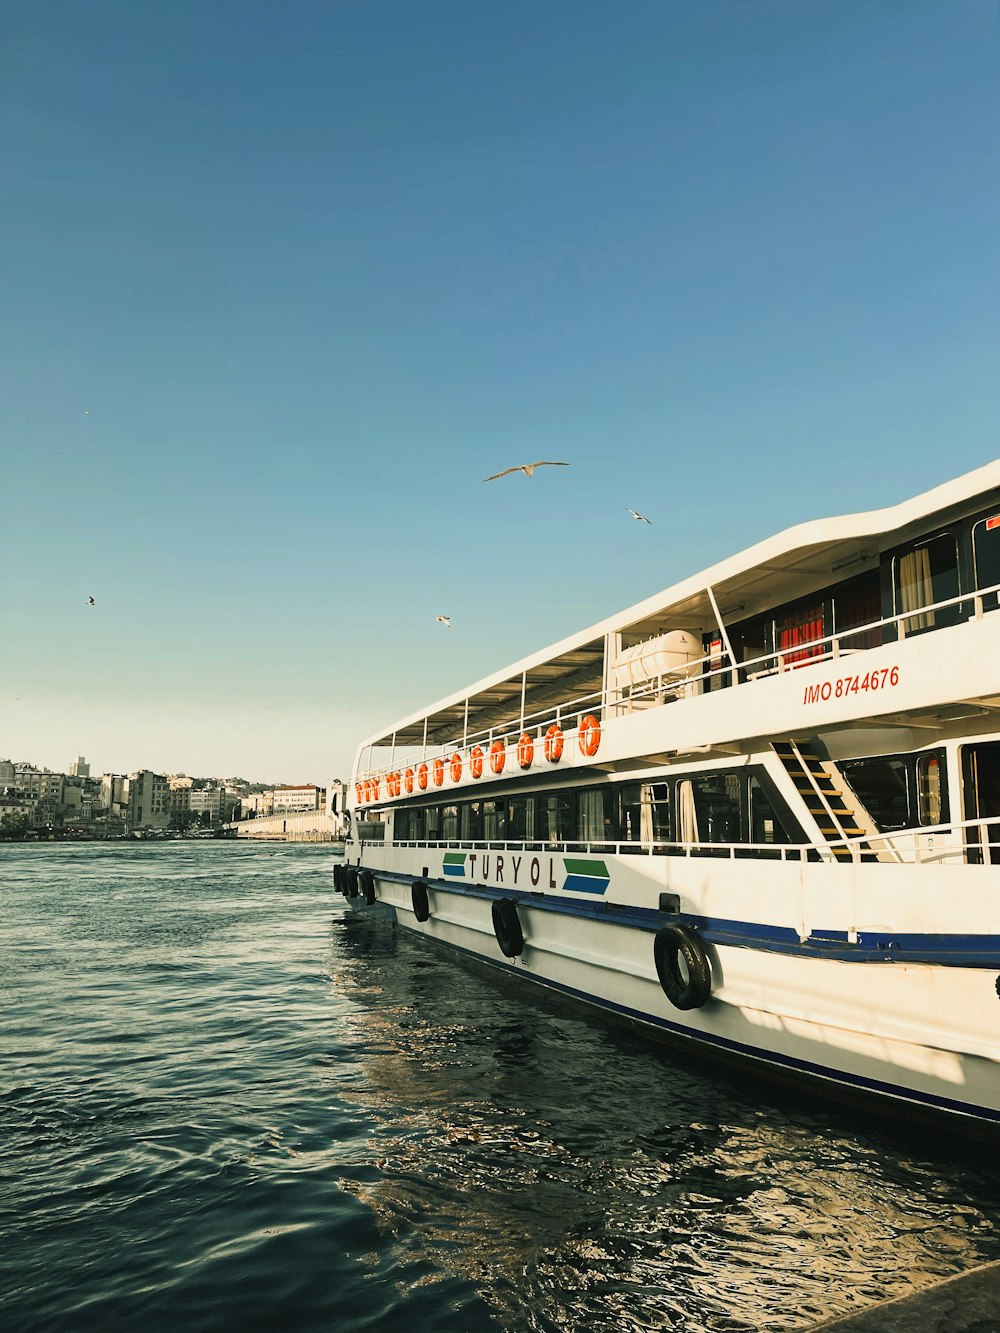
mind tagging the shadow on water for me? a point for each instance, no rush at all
(580, 1177)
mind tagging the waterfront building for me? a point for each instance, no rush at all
(79, 768)
(303, 796)
(148, 800)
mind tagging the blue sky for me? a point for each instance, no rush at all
(282, 284)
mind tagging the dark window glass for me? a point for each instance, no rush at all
(645, 812)
(859, 602)
(554, 820)
(925, 575)
(752, 640)
(881, 787)
(517, 819)
(449, 822)
(494, 820)
(472, 821)
(595, 814)
(986, 553)
(799, 626)
(717, 807)
(765, 823)
(932, 789)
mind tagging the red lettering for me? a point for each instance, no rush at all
(826, 691)
(536, 870)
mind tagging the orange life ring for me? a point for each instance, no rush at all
(408, 780)
(554, 743)
(422, 776)
(525, 750)
(438, 770)
(590, 735)
(498, 756)
(359, 792)
(476, 761)
(392, 782)
(375, 792)
(456, 767)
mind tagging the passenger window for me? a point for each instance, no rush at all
(716, 799)
(765, 823)
(646, 812)
(923, 576)
(932, 799)
(986, 555)
(880, 785)
(553, 819)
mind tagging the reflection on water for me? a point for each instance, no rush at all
(582, 1179)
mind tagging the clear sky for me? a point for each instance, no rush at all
(281, 284)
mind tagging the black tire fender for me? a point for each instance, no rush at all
(507, 927)
(351, 881)
(368, 886)
(671, 945)
(338, 878)
(420, 900)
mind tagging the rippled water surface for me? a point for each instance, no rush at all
(226, 1104)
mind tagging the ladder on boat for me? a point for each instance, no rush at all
(824, 800)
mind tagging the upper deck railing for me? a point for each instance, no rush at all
(698, 677)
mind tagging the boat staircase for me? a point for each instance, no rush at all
(835, 819)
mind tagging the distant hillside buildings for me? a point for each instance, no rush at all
(38, 801)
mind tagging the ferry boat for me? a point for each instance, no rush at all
(758, 812)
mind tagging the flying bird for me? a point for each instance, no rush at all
(91, 602)
(640, 518)
(526, 468)
(445, 620)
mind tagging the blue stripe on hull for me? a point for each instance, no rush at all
(959, 950)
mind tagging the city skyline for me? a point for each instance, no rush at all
(283, 288)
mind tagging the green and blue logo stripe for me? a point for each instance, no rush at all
(454, 864)
(585, 876)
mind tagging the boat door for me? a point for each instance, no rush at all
(981, 785)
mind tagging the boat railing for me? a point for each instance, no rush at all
(841, 643)
(970, 841)
(689, 681)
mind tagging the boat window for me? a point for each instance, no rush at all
(925, 575)
(986, 557)
(717, 807)
(645, 812)
(595, 820)
(981, 783)
(932, 798)
(554, 819)
(449, 822)
(494, 820)
(765, 822)
(798, 626)
(517, 819)
(432, 822)
(751, 641)
(471, 820)
(858, 602)
(881, 787)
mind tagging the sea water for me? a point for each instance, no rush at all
(227, 1103)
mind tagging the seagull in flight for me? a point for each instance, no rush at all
(640, 518)
(526, 468)
(445, 620)
(91, 602)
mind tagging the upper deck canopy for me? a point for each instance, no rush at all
(791, 564)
